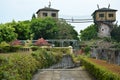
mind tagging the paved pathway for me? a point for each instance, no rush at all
(62, 74)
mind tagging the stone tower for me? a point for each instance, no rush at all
(47, 12)
(104, 18)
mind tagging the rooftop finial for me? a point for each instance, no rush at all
(97, 6)
(108, 6)
(49, 4)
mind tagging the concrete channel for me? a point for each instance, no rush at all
(64, 70)
(62, 74)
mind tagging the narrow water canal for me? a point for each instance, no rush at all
(65, 63)
(62, 74)
(64, 70)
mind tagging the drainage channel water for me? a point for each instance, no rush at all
(64, 70)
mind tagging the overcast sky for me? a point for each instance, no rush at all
(20, 10)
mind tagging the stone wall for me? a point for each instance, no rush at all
(110, 55)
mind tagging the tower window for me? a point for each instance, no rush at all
(101, 15)
(53, 14)
(45, 14)
(110, 15)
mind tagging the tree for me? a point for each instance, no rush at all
(44, 27)
(50, 28)
(66, 31)
(89, 33)
(33, 16)
(22, 28)
(115, 34)
(7, 33)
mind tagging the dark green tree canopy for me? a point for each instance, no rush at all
(66, 31)
(44, 27)
(115, 34)
(33, 16)
(22, 28)
(50, 28)
(89, 33)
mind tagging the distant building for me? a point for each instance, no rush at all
(47, 12)
(104, 18)
(104, 15)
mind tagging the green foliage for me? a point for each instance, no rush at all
(64, 50)
(2, 44)
(15, 30)
(66, 31)
(7, 33)
(17, 67)
(99, 72)
(115, 34)
(33, 16)
(44, 57)
(50, 28)
(5, 47)
(89, 33)
(15, 48)
(44, 27)
(22, 29)
(108, 39)
(21, 66)
(116, 46)
(87, 49)
(34, 48)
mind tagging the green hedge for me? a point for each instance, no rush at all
(35, 48)
(20, 66)
(99, 72)
(5, 49)
(65, 50)
(62, 50)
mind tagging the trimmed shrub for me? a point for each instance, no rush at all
(64, 50)
(14, 48)
(99, 72)
(4, 47)
(34, 48)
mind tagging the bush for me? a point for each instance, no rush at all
(34, 48)
(5, 47)
(14, 48)
(22, 66)
(99, 72)
(65, 50)
(45, 58)
(17, 67)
